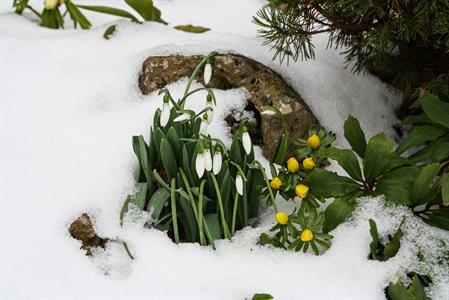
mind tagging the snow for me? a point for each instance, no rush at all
(69, 106)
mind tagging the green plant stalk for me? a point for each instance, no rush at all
(234, 212)
(173, 208)
(127, 250)
(227, 234)
(200, 213)
(189, 192)
(245, 204)
(195, 71)
(270, 191)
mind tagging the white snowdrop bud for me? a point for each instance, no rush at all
(204, 125)
(200, 164)
(51, 4)
(239, 184)
(208, 160)
(165, 114)
(217, 162)
(182, 117)
(268, 112)
(246, 140)
(207, 72)
(210, 113)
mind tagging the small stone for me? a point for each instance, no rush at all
(83, 230)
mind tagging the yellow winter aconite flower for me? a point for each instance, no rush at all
(276, 183)
(306, 235)
(301, 190)
(292, 165)
(314, 141)
(282, 218)
(308, 163)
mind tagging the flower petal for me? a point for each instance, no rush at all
(217, 162)
(207, 73)
(246, 140)
(200, 165)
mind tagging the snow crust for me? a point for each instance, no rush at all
(69, 106)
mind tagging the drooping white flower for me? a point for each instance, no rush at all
(208, 159)
(204, 125)
(165, 114)
(239, 184)
(207, 73)
(50, 4)
(182, 117)
(246, 140)
(200, 164)
(217, 162)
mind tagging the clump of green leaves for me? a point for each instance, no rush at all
(379, 251)
(415, 290)
(53, 14)
(374, 168)
(192, 184)
(298, 232)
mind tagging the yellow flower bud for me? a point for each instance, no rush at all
(314, 141)
(282, 218)
(301, 190)
(308, 163)
(276, 183)
(307, 235)
(292, 165)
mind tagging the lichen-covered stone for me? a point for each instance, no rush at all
(233, 71)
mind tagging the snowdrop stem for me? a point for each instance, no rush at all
(173, 209)
(195, 72)
(234, 212)
(227, 234)
(191, 198)
(200, 214)
(267, 182)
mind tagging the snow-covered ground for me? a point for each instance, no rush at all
(69, 106)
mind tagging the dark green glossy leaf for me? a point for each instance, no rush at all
(419, 136)
(110, 11)
(397, 184)
(143, 7)
(348, 161)
(168, 159)
(192, 29)
(328, 184)
(355, 136)
(157, 202)
(376, 156)
(424, 182)
(109, 32)
(437, 110)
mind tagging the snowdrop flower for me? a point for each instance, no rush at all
(217, 161)
(207, 72)
(268, 113)
(204, 125)
(50, 4)
(207, 159)
(210, 104)
(165, 114)
(200, 164)
(239, 184)
(182, 117)
(246, 140)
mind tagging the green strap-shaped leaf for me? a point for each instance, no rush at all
(424, 182)
(440, 218)
(392, 248)
(143, 7)
(355, 136)
(168, 159)
(375, 238)
(141, 150)
(437, 110)
(77, 16)
(376, 156)
(109, 32)
(192, 29)
(110, 11)
(445, 189)
(157, 202)
(419, 136)
(262, 297)
(140, 197)
(212, 227)
(397, 184)
(328, 184)
(348, 161)
(282, 149)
